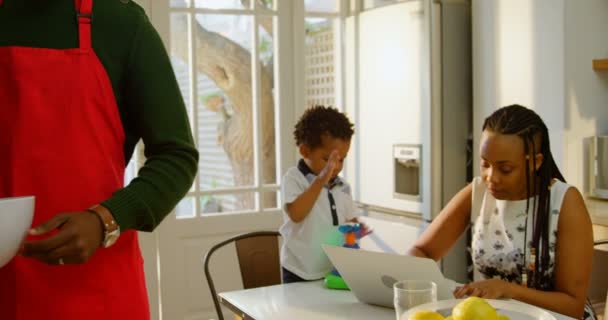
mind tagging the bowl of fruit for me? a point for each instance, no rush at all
(474, 308)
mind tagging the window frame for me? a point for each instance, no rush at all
(290, 86)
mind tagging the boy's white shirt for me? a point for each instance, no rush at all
(301, 252)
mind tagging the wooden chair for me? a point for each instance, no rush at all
(258, 256)
(597, 297)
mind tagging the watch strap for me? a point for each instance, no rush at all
(109, 223)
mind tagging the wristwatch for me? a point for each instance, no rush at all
(111, 229)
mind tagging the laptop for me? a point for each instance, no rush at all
(370, 275)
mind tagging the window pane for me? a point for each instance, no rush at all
(321, 58)
(370, 4)
(180, 56)
(271, 199)
(226, 203)
(224, 103)
(185, 208)
(268, 4)
(322, 5)
(222, 4)
(180, 3)
(269, 138)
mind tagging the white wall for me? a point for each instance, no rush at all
(538, 53)
(586, 91)
(518, 58)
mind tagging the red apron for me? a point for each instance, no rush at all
(61, 139)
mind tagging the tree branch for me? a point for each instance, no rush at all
(228, 64)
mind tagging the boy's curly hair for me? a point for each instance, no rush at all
(319, 121)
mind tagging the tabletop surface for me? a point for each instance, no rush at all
(305, 300)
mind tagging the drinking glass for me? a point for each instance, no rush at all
(410, 293)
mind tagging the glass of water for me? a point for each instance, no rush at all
(410, 293)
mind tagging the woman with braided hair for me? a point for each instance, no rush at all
(531, 233)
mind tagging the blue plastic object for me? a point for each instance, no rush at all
(351, 232)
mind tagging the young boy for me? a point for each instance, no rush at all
(315, 199)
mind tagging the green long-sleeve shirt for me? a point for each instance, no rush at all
(148, 96)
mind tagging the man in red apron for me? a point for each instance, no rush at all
(64, 144)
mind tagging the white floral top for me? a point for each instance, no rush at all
(498, 233)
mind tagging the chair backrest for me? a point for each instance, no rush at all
(258, 256)
(600, 242)
(599, 283)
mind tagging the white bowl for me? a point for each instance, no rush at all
(16, 216)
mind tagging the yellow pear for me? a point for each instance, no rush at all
(426, 315)
(474, 308)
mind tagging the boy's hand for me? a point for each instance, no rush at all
(328, 172)
(365, 230)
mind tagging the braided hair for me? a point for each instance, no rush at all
(526, 124)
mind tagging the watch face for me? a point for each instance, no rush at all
(111, 238)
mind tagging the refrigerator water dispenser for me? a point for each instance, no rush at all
(407, 172)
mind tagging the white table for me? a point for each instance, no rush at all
(305, 300)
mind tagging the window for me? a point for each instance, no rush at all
(323, 52)
(370, 4)
(225, 54)
(230, 99)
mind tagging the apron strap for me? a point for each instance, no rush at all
(84, 11)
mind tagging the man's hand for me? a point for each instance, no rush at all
(78, 237)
